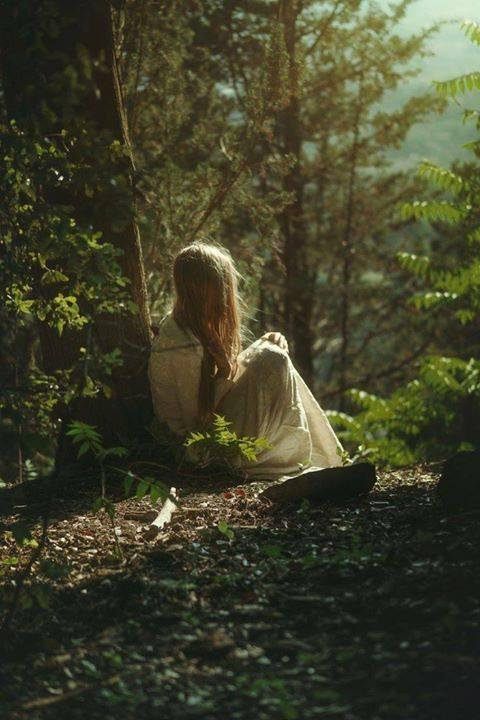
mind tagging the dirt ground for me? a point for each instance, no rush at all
(238, 610)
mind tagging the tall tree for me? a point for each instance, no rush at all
(298, 272)
(343, 57)
(60, 82)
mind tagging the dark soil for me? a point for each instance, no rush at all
(369, 611)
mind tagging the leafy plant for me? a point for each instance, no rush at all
(220, 444)
(90, 442)
(438, 412)
(225, 529)
(59, 277)
(31, 585)
(423, 419)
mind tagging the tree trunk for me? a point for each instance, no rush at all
(43, 46)
(298, 301)
(348, 251)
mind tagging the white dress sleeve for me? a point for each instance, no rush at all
(166, 402)
(174, 372)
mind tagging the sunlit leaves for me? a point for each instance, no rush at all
(58, 270)
(433, 211)
(225, 529)
(444, 179)
(398, 430)
(86, 436)
(220, 443)
(416, 264)
(459, 85)
(472, 30)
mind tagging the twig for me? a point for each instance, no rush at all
(325, 25)
(163, 517)
(216, 200)
(384, 373)
(52, 700)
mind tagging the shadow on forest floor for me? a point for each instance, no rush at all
(243, 611)
(74, 490)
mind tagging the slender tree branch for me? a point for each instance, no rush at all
(391, 370)
(324, 26)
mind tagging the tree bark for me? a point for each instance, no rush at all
(43, 46)
(297, 298)
(348, 251)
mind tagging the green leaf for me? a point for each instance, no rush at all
(142, 489)
(98, 504)
(272, 551)
(225, 529)
(90, 668)
(128, 482)
(472, 30)
(84, 448)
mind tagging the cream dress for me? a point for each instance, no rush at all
(267, 398)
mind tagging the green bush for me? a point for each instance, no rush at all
(438, 412)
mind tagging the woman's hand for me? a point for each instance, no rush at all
(277, 339)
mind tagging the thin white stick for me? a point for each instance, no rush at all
(163, 517)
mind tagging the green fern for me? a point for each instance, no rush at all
(426, 417)
(472, 30)
(435, 211)
(420, 420)
(418, 265)
(442, 178)
(459, 85)
(220, 444)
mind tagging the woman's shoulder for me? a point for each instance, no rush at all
(170, 336)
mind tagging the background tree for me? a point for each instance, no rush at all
(262, 137)
(437, 412)
(264, 126)
(351, 56)
(63, 99)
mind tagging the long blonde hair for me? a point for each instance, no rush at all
(206, 302)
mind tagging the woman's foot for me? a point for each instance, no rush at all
(335, 484)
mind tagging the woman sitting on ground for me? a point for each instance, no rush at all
(197, 368)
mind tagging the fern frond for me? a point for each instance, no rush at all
(419, 265)
(471, 30)
(470, 115)
(474, 236)
(465, 316)
(434, 211)
(444, 179)
(429, 300)
(440, 373)
(366, 401)
(462, 281)
(459, 85)
(473, 146)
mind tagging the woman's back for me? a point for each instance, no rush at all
(197, 368)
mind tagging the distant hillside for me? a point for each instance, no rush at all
(440, 138)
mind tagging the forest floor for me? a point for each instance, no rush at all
(242, 611)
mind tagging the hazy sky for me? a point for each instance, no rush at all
(438, 138)
(454, 54)
(430, 9)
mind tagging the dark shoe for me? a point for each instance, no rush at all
(335, 484)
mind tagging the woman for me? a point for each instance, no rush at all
(197, 368)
